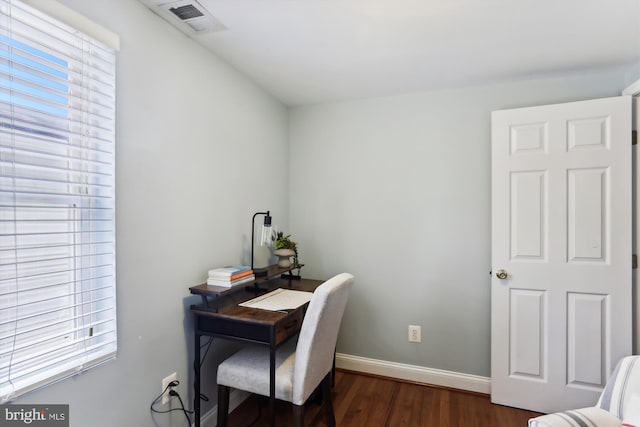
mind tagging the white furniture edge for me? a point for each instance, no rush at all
(633, 89)
(419, 374)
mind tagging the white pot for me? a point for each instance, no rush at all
(284, 257)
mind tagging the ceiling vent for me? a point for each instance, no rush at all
(187, 15)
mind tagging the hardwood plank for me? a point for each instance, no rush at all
(369, 401)
(420, 406)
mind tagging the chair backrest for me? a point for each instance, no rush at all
(621, 387)
(318, 335)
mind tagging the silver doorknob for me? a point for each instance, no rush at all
(501, 274)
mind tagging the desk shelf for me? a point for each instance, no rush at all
(218, 291)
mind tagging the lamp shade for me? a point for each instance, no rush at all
(265, 239)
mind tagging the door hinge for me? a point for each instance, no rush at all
(634, 137)
(634, 261)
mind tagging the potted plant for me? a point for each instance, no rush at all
(285, 249)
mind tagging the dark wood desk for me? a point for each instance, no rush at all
(220, 316)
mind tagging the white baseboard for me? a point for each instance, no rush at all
(414, 373)
(383, 368)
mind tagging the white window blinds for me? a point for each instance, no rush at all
(57, 200)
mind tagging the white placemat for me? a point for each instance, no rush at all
(279, 300)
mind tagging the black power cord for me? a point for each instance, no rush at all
(174, 393)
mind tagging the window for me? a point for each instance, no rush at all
(57, 201)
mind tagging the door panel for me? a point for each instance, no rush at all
(587, 193)
(528, 215)
(561, 228)
(527, 334)
(587, 338)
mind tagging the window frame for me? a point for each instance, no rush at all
(59, 345)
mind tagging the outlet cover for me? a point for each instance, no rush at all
(415, 333)
(165, 383)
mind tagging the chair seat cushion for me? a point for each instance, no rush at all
(592, 416)
(248, 370)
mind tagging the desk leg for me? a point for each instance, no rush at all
(196, 378)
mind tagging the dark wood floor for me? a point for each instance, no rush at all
(369, 401)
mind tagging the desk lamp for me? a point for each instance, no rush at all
(265, 239)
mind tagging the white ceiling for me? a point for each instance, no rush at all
(311, 51)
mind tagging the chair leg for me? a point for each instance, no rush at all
(298, 415)
(333, 369)
(223, 405)
(328, 401)
(316, 395)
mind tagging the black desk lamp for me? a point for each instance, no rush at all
(265, 239)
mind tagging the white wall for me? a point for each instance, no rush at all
(396, 190)
(199, 150)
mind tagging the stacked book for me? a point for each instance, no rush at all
(230, 276)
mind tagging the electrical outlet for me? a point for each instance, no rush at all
(415, 333)
(165, 382)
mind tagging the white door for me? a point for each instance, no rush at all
(561, 230)
(636, 223)
(634, 90)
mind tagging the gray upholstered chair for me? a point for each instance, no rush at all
(300, 366)
(619, 403)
